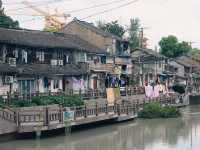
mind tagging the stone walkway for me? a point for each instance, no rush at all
(7, 127)
(141, 97)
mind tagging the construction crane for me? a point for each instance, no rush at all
(51, 20)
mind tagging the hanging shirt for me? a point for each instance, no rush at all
(156, 91)
(149, 91)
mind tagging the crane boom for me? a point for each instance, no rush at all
(51, 20)
(35, 8)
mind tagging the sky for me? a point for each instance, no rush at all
(160, 18)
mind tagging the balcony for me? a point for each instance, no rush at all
(101, 67)
(122, 61)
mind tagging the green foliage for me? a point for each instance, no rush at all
(195, 54)
(66, 101)
(171, 47)
(6, 21)
(169, 112)
(155, 110)
(115, 28)
(133, 31)
(21, 103)
(51, 29)
(112, 27)
(179, 88)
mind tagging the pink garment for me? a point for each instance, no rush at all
(156, 91)
(148, 91)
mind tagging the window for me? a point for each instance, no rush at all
(81, 57)
(90, 58)
(55, 84)
(24, 56)
(40, 56)
(15, 53)
(160, 64)
(60, 55)
(103, 59)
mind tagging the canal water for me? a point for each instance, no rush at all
(157, 134)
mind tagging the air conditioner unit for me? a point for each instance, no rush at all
(54, 62)
(12, 62)
(9, 79)
(60, 62)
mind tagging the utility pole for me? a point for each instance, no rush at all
(141, 35)
(142, 40)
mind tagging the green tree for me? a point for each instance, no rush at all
(6, 21)
(1, 9)
(133, 31)
(171, 47)
(112, 27)
(51, 29)
(195, 54)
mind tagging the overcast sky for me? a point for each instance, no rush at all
(159, 17)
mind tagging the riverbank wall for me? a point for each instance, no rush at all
(50, 118)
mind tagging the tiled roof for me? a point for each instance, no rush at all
(44, 69)
(95, 29)
(46, 40)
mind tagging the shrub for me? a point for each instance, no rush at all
(155, 110)
(66, 101)
(179, 88)
(169, 111)
(21, 103)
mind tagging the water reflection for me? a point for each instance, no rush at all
(170, 134)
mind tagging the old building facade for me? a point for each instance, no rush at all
(148, 65)
(35, 61)
(117, 63)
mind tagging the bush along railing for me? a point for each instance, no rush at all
(156, 110)
(65, 101)
(46, 115)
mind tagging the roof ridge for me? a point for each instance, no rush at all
(93, 26)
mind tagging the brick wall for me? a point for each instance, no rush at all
(88, 35)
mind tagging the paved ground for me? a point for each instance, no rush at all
(103, 100)
(6, 127)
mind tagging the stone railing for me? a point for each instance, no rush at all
(101, 67)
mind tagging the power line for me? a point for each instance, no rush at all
(98, 13)
(42, 3)
(95, 6)
(108, 10)
(82, 9)
(29, 20)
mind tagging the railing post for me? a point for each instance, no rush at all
(96, 108)
(85, 114)
(46, 116)
(134, 108)
(106, 108)
(74, 109)
(115, 108)
(16, 117)
(61, 114)
(127, 110)
(137, 105)
(118, 109)
(171, 100)
(144, 102)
